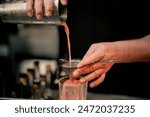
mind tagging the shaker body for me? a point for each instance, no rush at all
(15, 12)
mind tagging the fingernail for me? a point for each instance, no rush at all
(48, 13)
(64, 2)
(82, 81)
(75, 74)
(92, 85)
(39, 17)
(30, 14)
(79, 65)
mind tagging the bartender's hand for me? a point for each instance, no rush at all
(135, 50)
(91, 67)
(39, 8)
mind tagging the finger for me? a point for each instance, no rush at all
(89, 60)
(91, 76)
(49, 8)
(87, 69)
(64, 2)
(29, 8)
(97, 81)
(39, 9)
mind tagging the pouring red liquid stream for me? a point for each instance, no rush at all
(72, 89)
(68, 40)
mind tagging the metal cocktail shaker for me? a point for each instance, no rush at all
(15, 12)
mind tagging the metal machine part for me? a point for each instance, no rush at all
(67, 68)
(15, 12)
(70, 69)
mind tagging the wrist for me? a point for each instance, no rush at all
(118, 51)
(132, 50)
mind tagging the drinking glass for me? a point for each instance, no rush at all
(72, 89)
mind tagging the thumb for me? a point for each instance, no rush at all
(89, 60)
(64, 2)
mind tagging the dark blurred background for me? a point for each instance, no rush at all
(90, 21)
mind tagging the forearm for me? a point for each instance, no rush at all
(137, 50)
